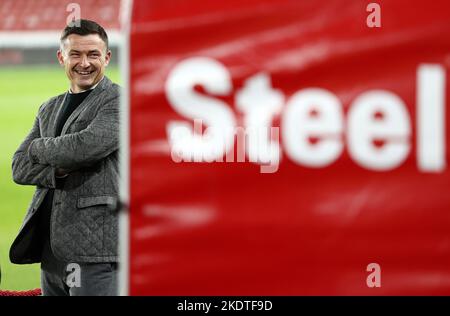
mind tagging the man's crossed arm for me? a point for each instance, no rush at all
(39, 159)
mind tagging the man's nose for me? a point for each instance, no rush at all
(84, 61)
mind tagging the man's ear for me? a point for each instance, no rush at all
(59, 55)
(107, 58)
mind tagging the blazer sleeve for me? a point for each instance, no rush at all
(84, 148)
(27, 172)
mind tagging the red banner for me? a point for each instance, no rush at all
(289, 148)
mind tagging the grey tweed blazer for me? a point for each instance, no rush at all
(84, 220)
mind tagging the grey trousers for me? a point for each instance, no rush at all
(84, 279)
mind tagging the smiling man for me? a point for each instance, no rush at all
(71, 156)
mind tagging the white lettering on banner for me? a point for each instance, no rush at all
(312, 127)
(377, 130)
(378, 116)
(217, 115)
(260, 103)
(431, 118)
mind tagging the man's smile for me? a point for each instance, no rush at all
(84, 72)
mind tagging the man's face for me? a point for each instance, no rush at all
(84, 59)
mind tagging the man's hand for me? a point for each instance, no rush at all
(25, 172)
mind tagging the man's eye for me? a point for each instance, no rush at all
(74, 55)
(95, 55)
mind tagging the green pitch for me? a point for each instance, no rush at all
(22, 91)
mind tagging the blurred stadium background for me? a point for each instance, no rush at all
(29, 75)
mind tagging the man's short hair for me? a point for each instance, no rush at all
(85, 27)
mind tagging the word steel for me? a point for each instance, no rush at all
(377, 130)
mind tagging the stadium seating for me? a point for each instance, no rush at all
(44, 15)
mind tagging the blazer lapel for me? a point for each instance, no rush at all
(104, 83)
(55, 116)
